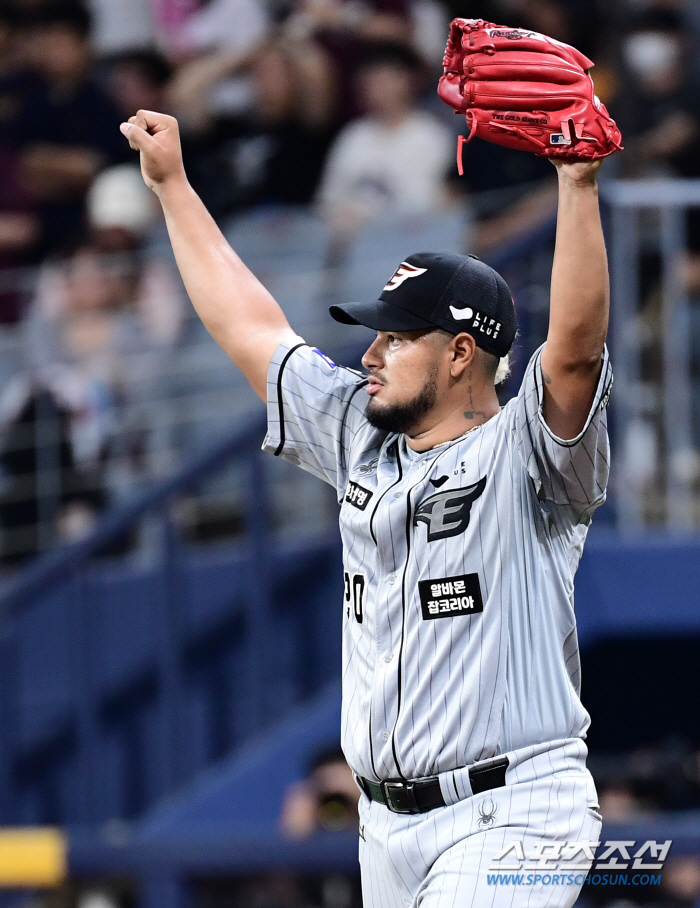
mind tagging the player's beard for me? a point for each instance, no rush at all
(404, 418)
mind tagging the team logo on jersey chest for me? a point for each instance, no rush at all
(450, 596)
(358, 496)
(447, 513)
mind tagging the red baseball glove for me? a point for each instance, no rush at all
(524, 90)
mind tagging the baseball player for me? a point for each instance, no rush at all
(462, 525)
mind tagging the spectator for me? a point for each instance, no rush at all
(168, 18)
(19, 225)
(276, 152)
(217, 39)
(577, 22)
(511, 193)
(659, 114)
(392, 161)
(237, 26)
(19, 233)
(16, 77)
(137, 79)
(430, 23)
(101, 324)
(653, 778)
(67, 128)
(346, 30)
(121, 25)
(329, 20)
(120, 215)
(109, 300)
(213, 86)
(326, 800)
(41, 480)
(619, 803)
(659, 108)
(680, 881)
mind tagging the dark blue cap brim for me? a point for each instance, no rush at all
(379, 316)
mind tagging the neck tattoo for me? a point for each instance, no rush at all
(472, 413)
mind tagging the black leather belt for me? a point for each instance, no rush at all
(423, 795)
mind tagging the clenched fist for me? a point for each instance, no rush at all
(157, 137)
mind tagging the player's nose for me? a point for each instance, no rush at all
(372, 358)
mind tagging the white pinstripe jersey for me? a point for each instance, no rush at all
(459, 636)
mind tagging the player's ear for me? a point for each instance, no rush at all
(462, 349)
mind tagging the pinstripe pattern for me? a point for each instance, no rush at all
(445, 693)
(429, 697)
(441, 859)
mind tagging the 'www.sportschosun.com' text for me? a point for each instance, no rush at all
(573, 879)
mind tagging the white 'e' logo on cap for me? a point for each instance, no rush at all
(402, 273)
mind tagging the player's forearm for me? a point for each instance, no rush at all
(237, 310)
(578, 315)
(579, 302)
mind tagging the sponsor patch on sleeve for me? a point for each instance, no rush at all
(357, 496)
(450, 596)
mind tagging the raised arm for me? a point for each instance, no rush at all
(579, 302)
(239, 313)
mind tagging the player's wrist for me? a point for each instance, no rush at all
(578, 174)
(174, 186)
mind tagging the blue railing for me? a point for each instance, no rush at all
(59, 563)
(91, 649)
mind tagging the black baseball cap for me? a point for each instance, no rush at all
(441, 290)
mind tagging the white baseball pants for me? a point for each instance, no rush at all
(445, 857)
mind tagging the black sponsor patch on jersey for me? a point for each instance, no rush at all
(450, 596)
(357, 496)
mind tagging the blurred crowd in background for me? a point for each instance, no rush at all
(322, 106)
(328, 103)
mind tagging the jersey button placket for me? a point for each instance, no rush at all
(384, 681)
(397, 515)
(388, 616)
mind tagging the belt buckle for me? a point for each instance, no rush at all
(401, 797)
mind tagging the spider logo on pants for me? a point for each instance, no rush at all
(487, 813)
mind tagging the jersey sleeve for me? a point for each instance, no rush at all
(570, 473)
(314, 409)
